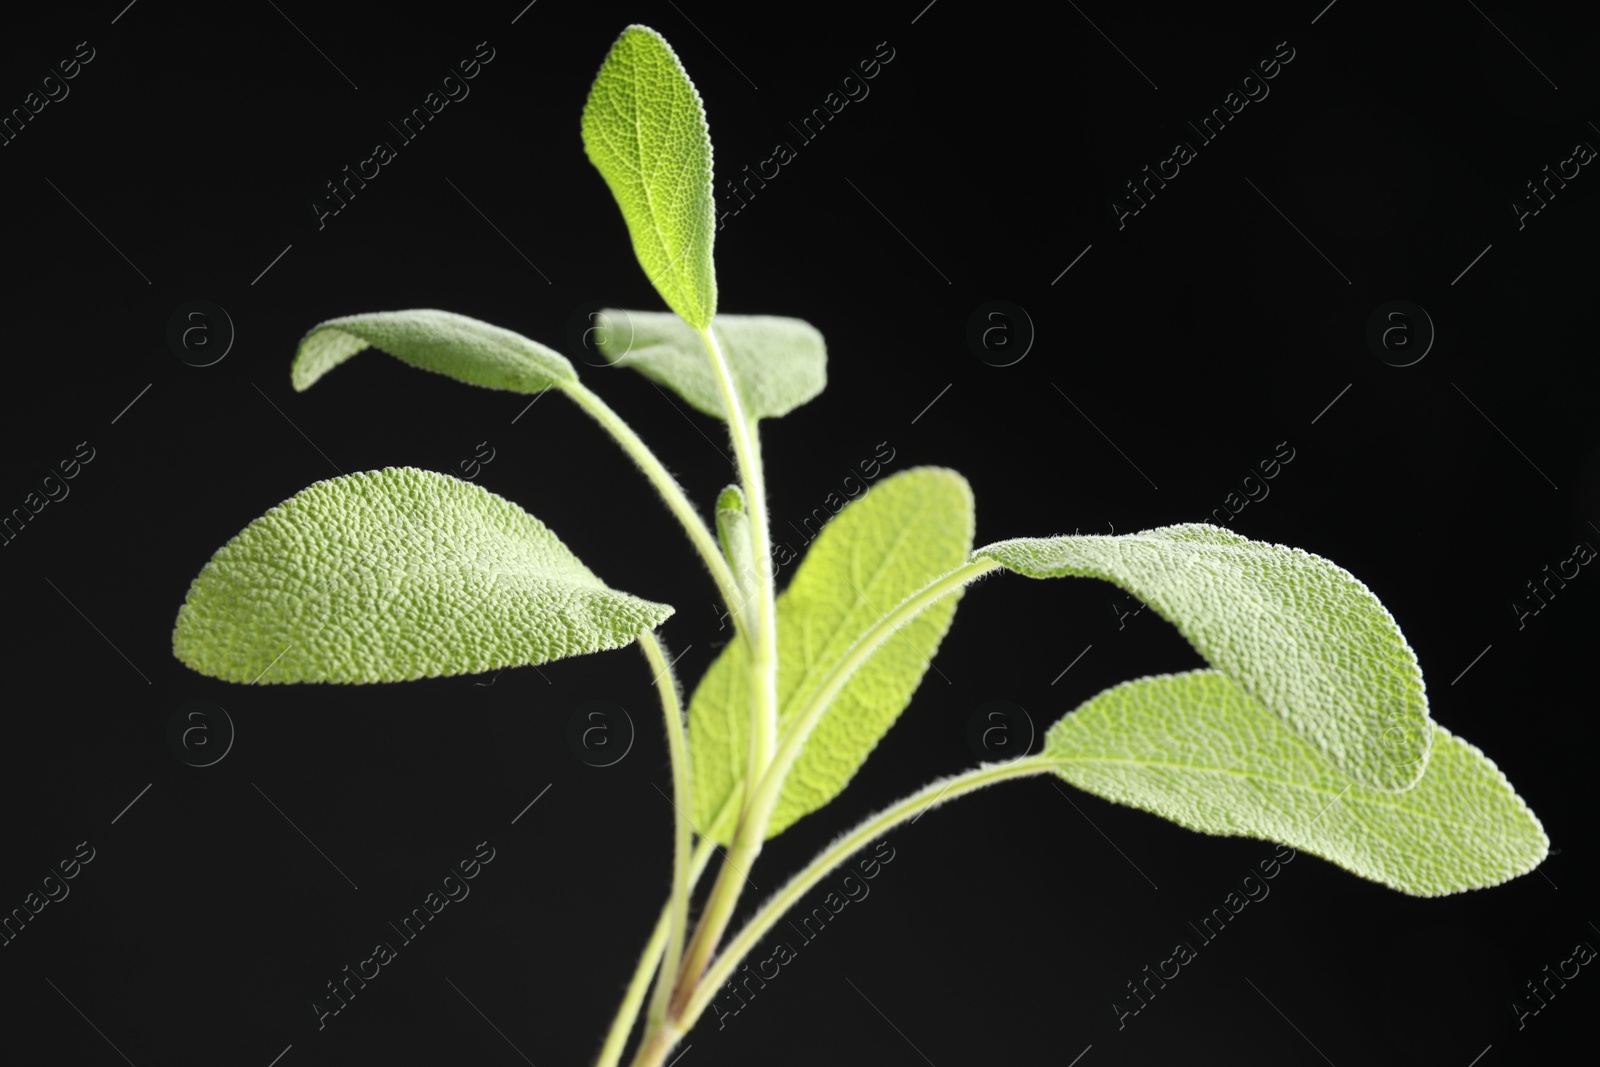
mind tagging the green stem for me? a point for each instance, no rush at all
(842, 849)
(633, 998)
(678, 751)
(751, 829)
(868, 643)
(764, 645)
(699, 533)
(655, 1046)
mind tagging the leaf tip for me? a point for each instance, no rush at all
(323, 348)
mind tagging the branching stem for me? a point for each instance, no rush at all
(830, 858)
(868, 643)
(699, 533)
(633, 998)
(689, 975)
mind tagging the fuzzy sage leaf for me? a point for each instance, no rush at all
(1196, 749)
(907, 530)
(1299, 633)
(644, 129)
(396, 574)
(464, 348)
(777, 363)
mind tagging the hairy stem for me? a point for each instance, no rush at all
(699, 533)
(751, 829)
(830, 858)
(678, 749)
(868, 643)
(694, 979)
(633, 998)
(657, 1043)
(764, 644)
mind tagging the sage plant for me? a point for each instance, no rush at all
(1309, 727)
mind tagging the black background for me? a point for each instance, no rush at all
(1224, 318)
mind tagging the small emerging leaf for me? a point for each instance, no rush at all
(733, 531)
(644, 129)
(1196, 749)
(907, 530)
(1300, 634)
(396, 574)
(777, 363)
(464, 348)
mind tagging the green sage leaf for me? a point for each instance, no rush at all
(464, 348)
(1197, 749)
(396, 574)
(777, 363)
(907, 530)
(1300, 634)
(644, 129)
